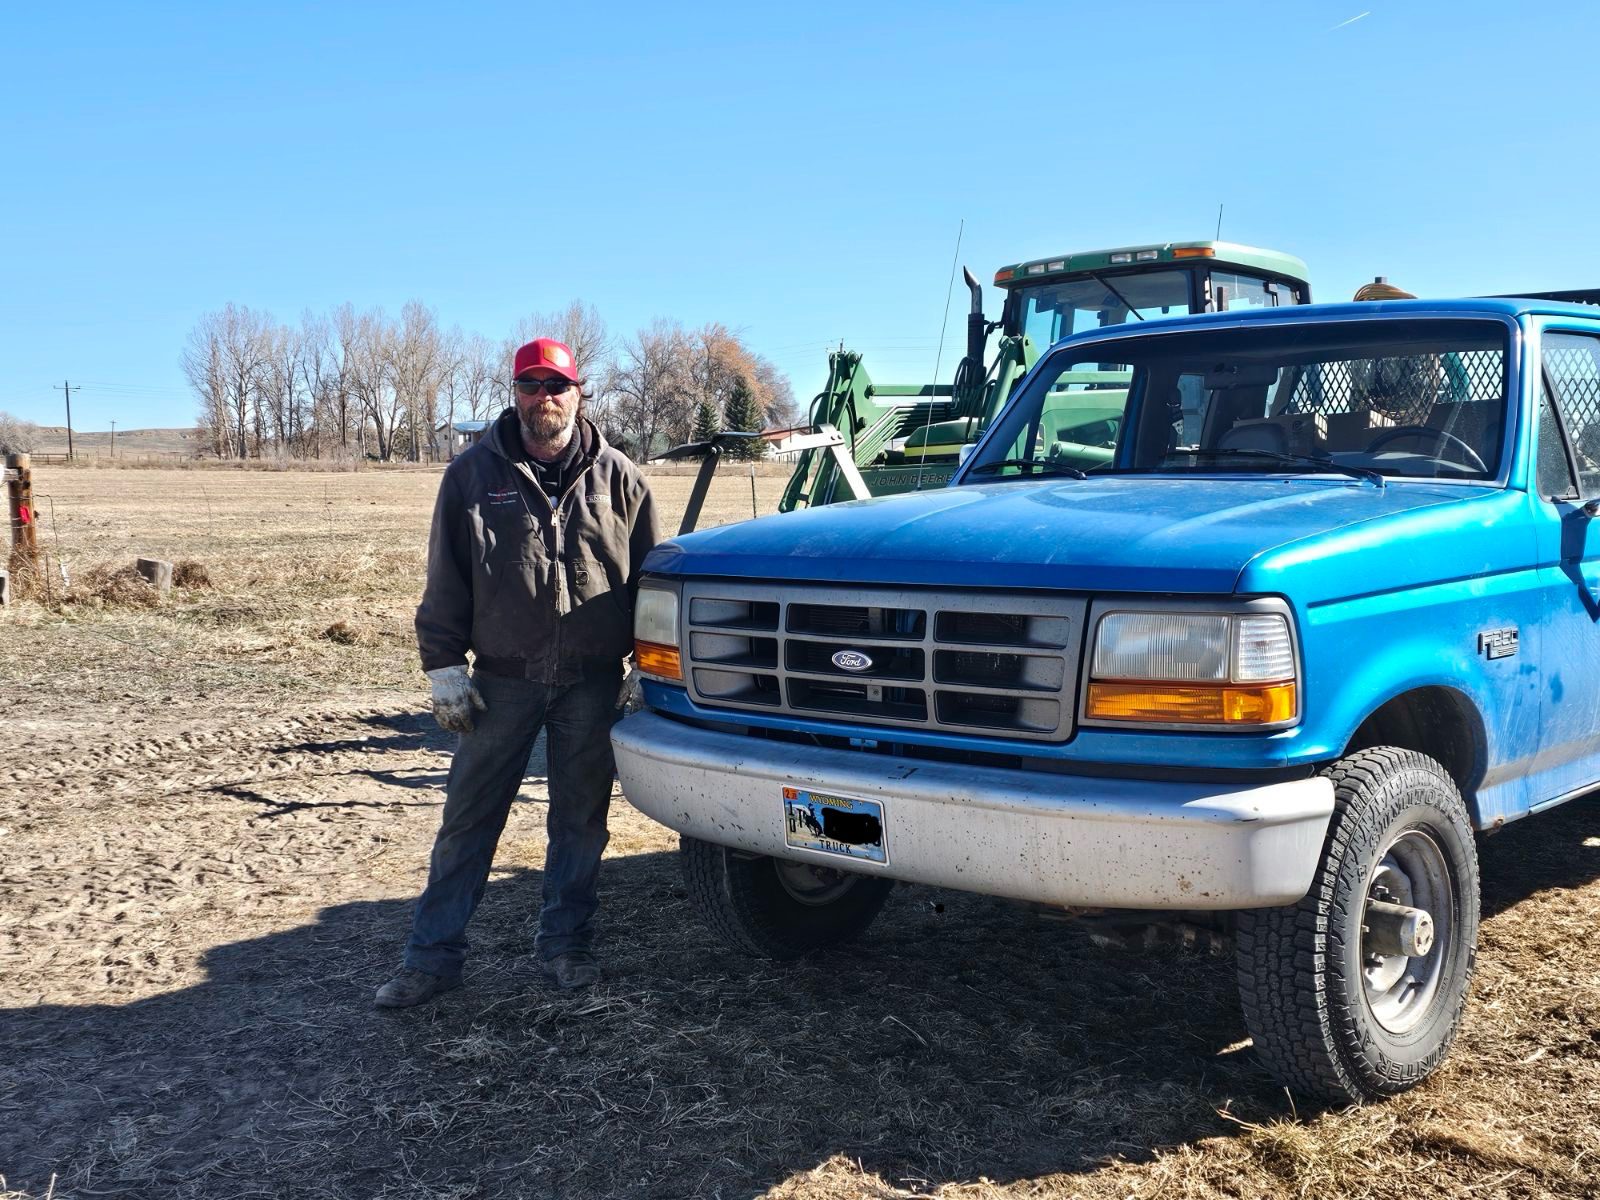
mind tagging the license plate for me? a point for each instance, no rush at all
(839, 825)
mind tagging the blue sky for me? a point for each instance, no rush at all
(796, 173)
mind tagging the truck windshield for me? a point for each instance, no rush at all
(1053, 311)
(1403, 398)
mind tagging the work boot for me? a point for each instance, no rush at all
(411, 988)
(573, 970)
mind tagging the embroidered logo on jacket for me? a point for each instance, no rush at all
(502, 495)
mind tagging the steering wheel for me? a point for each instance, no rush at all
(1469, 456)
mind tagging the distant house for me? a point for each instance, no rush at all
(462, 434)
(780, 442)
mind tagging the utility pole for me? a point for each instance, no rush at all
(67, 392)
(113, 439)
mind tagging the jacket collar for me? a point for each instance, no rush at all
(506, 433)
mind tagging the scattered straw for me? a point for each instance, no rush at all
(104, 586)
(353, 633)
(190, 573)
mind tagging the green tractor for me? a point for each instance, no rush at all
(872, 439)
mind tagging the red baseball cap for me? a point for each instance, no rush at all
(549, 353)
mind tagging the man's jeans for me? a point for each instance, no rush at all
(485, 774)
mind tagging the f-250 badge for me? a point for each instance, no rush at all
(1498, 643)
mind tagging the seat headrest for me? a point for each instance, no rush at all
(1255, 435)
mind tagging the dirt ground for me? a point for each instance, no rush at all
(214, 815)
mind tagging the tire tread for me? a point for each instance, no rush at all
(732, 900)
(1299, 1030)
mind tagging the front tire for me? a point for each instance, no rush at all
(1336, 1012)
(775, 908)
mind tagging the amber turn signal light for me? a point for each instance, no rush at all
(658, 660)
(1197, 704)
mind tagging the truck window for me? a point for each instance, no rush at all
(1051, 312)
(1572, 367)
(1411, 399)
(1077, 425)
(1555, 472)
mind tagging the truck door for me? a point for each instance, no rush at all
(1567, 473)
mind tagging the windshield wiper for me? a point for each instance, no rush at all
(1094, 275)
(1309, 460)
(1053, 468)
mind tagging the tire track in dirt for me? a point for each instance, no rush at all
(123, 863)
(259, 746)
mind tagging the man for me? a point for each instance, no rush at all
(533, 564)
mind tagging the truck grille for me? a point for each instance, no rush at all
(996, 663)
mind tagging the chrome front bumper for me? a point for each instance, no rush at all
(1056, 839)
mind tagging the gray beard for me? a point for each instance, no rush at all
(545, 430)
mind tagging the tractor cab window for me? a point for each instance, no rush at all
(1053, 311)
(1231, 292)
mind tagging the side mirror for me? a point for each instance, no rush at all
(966, 452)
(1590, 508)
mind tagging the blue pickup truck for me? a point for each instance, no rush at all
(1260, 618)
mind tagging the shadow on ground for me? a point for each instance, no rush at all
(962, 1038)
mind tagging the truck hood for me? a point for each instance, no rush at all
(1111, 533)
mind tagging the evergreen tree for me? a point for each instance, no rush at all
(706, 424)
(744, 415)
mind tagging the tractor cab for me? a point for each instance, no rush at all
(874, 439)
(1053, 298)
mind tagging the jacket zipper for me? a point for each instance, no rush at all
(554, 663)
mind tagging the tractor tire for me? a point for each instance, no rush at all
(1336, 1012)
(775, 908)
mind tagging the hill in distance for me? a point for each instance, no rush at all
(86, 442)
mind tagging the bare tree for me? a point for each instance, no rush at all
(652, 386)
(317, 366)
(16, 435)
(416, 366)
(774, 394)
(472, 381)
(579, 325)
(225, 362)
(202, 366)
(370, 377)
(347, 334)
(390, 386)
(468, 366)
(282, 388)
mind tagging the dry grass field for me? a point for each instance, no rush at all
(216, 810)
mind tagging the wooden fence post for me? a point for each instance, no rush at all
(19, 503)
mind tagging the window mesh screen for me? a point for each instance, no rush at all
(1402, 390)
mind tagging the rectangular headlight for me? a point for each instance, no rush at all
(655, 634)
(1219, 669)
(1172, 646)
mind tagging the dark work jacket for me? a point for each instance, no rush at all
(534, 590)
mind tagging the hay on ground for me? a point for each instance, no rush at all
(190, 573)
(104, 586)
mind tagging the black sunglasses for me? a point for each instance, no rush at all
(532, 387)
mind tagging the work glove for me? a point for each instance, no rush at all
(454, 698)
(629, 695)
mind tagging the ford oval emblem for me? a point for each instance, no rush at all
(851, 660)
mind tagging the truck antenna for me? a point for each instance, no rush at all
(938, 356)
(1219, 223)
